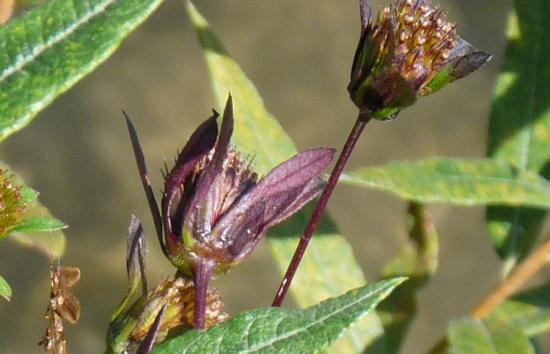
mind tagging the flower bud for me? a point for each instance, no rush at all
(214, 208)
(411, 50)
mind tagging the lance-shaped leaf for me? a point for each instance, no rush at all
(5, 289)
(328, 268)
(529, 310)
(418, 262)
(487, 337)
(519, 130)
(47, 50)
(456, 181)
(276, 330)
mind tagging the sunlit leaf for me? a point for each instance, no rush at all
(456, 181)
(5, 289)
(529, 310)
(277, 330)
(47, 50)
(39, 223)
(519, 130)
(487, 337)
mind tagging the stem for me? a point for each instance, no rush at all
(513, 282)
(315, 218)
(203, 272)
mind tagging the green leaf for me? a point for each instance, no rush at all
(519, 130)
(456, 181)
(418, 262)
(529, 310)
(487, 337)
(5, 289)
(329, 268)
(40, 223)
(47, 50)
(276, 330)
(39, 229)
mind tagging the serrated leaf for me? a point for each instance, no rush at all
(487, 337)
(276, 330)
(40, 223)
(47, 50)
(329, 268)
(418, 262)
(529, 310)
(456, 181)
(5, 289)
(519, 130)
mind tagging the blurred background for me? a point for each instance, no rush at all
(298, 53)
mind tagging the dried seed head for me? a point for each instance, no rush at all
(178, 296)
(63, 305)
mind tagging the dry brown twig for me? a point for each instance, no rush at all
(6, 10)
(63, 306)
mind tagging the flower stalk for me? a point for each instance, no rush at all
(408, 52)
(315, 218)
(214, 208)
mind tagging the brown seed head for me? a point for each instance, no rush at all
(177, 294)
(424, 38)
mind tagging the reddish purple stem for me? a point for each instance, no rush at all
(203, 272)
(315, 218)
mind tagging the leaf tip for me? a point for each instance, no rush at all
(197, 19)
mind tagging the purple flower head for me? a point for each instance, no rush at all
(214, 208)
(411, 50)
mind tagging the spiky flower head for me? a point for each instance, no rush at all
(12, 205)
(214, 207)
(411, 50)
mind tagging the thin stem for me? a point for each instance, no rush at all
(203, 272)
(513, 282)
(315, 218)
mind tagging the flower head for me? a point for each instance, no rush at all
(12, 203)
(411, 50)
(214, 208)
